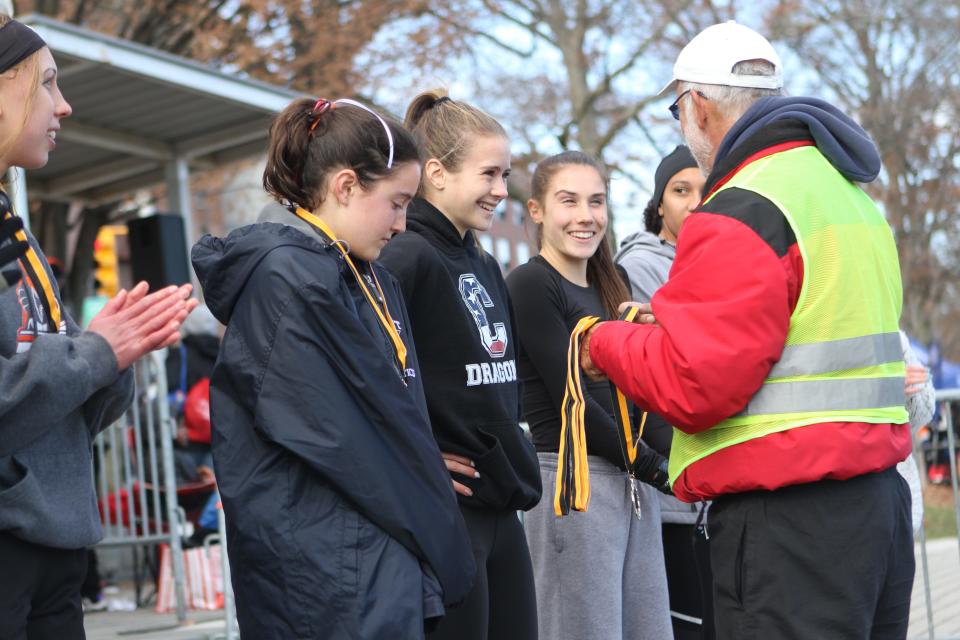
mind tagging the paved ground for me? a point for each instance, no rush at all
(144, 624)
(943, 560)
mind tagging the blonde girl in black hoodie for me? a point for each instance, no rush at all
(463, 329)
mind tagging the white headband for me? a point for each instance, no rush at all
(377, 116)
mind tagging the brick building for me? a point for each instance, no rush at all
(512, 238)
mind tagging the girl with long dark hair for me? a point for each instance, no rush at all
(599, 573)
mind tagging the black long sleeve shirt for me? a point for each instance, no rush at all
(548, 307)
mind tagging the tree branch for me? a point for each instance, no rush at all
(480, 34)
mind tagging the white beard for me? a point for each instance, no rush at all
(700, 149)
(699, 145)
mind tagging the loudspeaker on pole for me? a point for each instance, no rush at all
(158, 251)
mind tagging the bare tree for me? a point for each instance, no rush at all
(177, 26)
(286, 42)
(893, 65)
(568, 73)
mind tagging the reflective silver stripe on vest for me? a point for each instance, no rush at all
(837, 355)
(827, 395)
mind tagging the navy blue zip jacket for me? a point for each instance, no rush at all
(342, 520)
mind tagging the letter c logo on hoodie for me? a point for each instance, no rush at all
(475, 297)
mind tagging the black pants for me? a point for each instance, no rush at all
(502, 604)
(40, 591)
(687, 560)
(829, 559)
(91, 584)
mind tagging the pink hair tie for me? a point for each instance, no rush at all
(320, 107)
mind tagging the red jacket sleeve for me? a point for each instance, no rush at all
(723, 317)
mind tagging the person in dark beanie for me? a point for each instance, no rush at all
(646, 255)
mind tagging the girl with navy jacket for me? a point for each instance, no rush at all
(341, 520)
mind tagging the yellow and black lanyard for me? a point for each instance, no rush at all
(32, 267)
(573, 472)
(379, 303)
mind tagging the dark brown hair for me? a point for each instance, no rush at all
(307, 144)
(443, 127)
(602, 275)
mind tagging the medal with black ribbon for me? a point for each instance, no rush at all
(33, 268)
(378, 302)
(573, 472)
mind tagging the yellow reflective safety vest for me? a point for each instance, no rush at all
(842, 360)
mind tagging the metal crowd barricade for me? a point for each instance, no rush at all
(944, 398)
(232, 631)
(138, 500)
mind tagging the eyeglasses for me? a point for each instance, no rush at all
(675, 107)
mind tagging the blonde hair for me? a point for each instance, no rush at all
(31, 66)
(444, 128)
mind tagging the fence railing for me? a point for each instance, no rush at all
(945, 429)
(135, 476)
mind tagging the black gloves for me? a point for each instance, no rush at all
(10, 251)
(651, 467)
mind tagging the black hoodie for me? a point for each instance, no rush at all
(320, 449)
(462, 325)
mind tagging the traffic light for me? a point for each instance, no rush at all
(107, 277)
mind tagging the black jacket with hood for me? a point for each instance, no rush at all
(341, 517)
(463, 327)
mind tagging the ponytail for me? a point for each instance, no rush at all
(283, 177)
(311, 138)
(444, 127)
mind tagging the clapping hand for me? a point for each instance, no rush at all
(135, 323)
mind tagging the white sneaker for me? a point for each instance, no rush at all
(91, 606)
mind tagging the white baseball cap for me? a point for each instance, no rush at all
(710, 57)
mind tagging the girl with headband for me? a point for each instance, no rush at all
(646, 258)
(599, 573)
(61, 385)
(463, 329)
(341, 520)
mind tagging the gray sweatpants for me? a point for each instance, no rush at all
(599, 575)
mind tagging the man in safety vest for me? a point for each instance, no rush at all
(775, 355)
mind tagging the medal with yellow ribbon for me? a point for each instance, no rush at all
(379, 304)
(573, 472)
